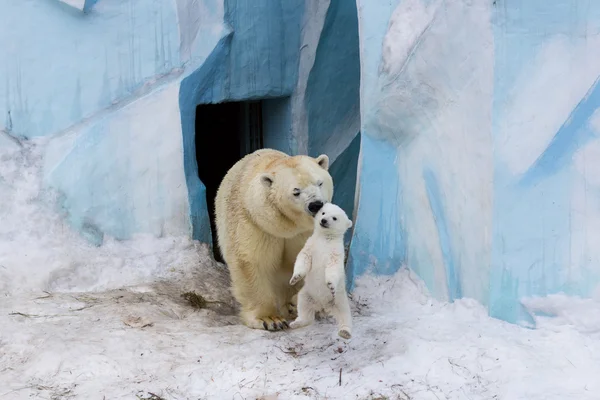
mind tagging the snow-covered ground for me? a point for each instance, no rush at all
(70, 328)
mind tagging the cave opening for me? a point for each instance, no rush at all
(224, 133)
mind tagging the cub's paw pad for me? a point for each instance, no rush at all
(295, 279)
(331, 287)
(344, 333)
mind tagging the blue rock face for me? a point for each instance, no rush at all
(256, 59)
(81, 5)
(344, 171)
(114, 85)
(333, 91)
(479, 162)
(90, 61)
(332, 100)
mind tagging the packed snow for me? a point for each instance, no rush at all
(109, 322)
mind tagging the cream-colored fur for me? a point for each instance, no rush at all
(320, 265)
(263, 221)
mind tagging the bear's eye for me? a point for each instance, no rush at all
(320, 183)
(334, 218)
(296, 192)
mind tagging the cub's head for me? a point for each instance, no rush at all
(299, 186)
(333, 220)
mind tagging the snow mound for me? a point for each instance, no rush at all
(38, 250)
(146, 340)
(79, 321)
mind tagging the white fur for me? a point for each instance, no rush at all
(321, 264)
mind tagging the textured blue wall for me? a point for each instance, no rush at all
(257, 59)
(479, 165)
(344, 172)
(332, 99)
(90, 61)
(378, 238)
(81, 5)
(108, 97)
(545, 191)
(333, 91)
(117, 97)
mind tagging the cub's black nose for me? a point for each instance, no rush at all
(323, 222)
(315, 206)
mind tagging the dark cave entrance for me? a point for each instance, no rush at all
(225, 132)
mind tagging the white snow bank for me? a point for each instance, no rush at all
(134, 335)
(38, 250)
(145, 340)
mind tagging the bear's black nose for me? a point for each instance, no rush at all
(323, 221)
(315, 206)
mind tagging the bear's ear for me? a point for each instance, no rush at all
(266, 179)
(323, 161)
(349, 223)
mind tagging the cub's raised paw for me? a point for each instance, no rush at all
(331, 287)
(274, 323)
(345, 334)
(296, 278)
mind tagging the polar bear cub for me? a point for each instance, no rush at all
(321, 264)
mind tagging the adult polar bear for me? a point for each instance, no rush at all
(264, 214)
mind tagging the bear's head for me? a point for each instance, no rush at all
(299, 186)
(332, 220)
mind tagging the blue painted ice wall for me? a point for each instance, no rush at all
(480, 160)
(257, 59)
(102, 86)
(81, 5)
(113, 86)
(59, 65)
(333, 91)
(332, 100)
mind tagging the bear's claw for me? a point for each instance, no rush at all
(274, 324)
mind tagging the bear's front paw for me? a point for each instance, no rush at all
(296, 278)
(274, 323)
(331, 287)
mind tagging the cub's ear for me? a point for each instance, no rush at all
(323, 161)
(349, 224)
(266, 179)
